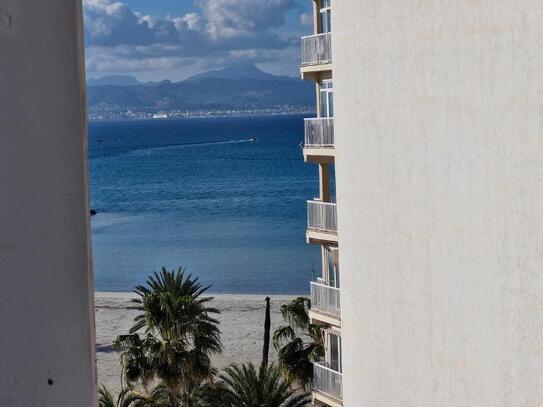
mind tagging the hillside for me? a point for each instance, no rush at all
(235, 88)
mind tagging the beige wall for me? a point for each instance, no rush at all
(439, 129)
(46, 313)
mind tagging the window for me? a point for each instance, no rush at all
(326, 90)
(326, 16)
(332, 266)
(334, 352)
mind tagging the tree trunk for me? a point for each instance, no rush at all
(267, 325)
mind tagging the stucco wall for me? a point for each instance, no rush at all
(439, 129)
(46, 313)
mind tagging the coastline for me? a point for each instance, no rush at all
(241, 324)
(309, 112)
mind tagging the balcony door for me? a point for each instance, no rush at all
(326, 16)
(326, 95)
(332, 266)
(334, 352)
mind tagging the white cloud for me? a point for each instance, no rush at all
(231, 18)
(119, 39)
(306, 19)
(130, 59)
(194, 21)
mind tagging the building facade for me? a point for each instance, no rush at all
(319, 150)
(47, 343)
(439, 149)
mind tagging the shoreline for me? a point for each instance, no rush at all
(224, 116)
(241, 323)
(123, 293)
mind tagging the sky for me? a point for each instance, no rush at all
(175, 39)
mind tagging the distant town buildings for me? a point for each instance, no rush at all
(114, 113)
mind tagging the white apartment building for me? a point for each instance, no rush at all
(439, 167)
(319, 150)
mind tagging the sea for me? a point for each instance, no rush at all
(223, 198)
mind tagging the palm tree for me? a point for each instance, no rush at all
(299, 343)
(244, 386)
(172, 340)
(126, 398)
(194, 395)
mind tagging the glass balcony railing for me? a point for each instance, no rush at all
(322, 216)
(317, 49)
(327, 380)
(325, 299)
(319, 133)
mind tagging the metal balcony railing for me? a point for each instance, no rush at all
(327, 381)
(317, 49)
(319, 132)
(325, 299)
(322, 216)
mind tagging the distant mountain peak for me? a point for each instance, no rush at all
(238, 70)
(245, 69)
(238, 87)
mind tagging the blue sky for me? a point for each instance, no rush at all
(174, 39)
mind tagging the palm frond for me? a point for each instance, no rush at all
(105, 398)
(173, 338)
(299, 343)
(245, 386)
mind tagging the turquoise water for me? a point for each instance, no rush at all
(199, 193)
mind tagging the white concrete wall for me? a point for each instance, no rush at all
(46, 313)
(439, 129)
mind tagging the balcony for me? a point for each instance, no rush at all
(327, 385)
(319, 140)
(316, 53)
(325, 305)
(317, 49)
(321, 222)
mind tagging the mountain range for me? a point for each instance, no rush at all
(236, 87)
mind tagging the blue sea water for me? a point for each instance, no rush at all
(198, 193)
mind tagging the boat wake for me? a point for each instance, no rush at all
(151, 150)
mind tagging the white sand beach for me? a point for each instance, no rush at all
(241, 318)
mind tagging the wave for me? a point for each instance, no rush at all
(107, 220)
